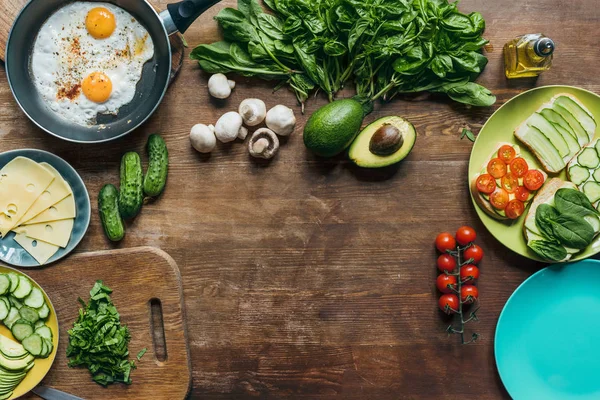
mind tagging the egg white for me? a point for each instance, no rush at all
(64, 53)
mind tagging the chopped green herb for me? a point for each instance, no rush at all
(141, 353)
(98, 341)
(470, 135)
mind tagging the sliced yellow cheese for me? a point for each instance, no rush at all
(64, 209)
(38, 249)
(22, 181)
(58, 190)
(57, 233)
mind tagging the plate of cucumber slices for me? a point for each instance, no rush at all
(28, 333)
(555, 129)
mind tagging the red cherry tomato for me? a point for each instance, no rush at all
(448, 303)
(510, 182)
(465, 235)
(496, 168)
(506, 153)
(446, 262)
(475, 252)
(446, 283)
(519, 167)
(522, 193)
(499, 199)
(444, 242)
(469, 273)
(468, 294)
(533, 180)
(486, 183)
(514, 209)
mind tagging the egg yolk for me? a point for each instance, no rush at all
(97, 87)
(100, 22)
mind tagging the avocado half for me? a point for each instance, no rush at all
(360, 150)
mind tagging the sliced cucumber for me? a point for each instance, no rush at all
(3, 310)
(33, 344)
(580, 113)
(35, 298)
(578, 174)
(592, 191)
(44, 332)
(14, 281)
(557, 119)
(593, 221)
(11, 349)
(597, 145)
(589, 158)
(15, 302)
(543, 125)
(29, 314)
(49, 348)
(24, 288)
(571, 140)
(43, 311)
(21, 329)
(542, 147)
(582, 136)
(4, 284)
(13, 315)
(39, 324)
(596, 175)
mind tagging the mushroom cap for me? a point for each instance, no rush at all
(202, 138)
(219, 87)
(228, 126)
(253, 111)
(281, 120)
(263, 144)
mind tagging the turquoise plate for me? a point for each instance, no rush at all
(10, 251)
(547, 338)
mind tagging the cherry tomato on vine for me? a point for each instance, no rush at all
(448, 303)
(468, 294)
(446, 262)
(469, 273)
(444, 242)
(465, 235)
(475, 252)
(445, 283)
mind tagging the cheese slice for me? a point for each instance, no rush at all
(58, 190)
(57, 233)
(38, 249)
(22, 181)
(64, 209)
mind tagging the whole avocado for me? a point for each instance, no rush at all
(131, 195)
(333, 127)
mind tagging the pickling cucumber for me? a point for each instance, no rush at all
(589, 158)
(108, 205)
(131, 196)
(578, 174)
(158, 165)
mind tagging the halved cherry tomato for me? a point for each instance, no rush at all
(445, 283)
(522, 193)
(506, 153)
(496, 168)
(519, 167)
(510, 182)
(469, 273)
(448, 303)
(533, 179)
(499, 198)
(486, 183)
(468, 294)
(514, 209)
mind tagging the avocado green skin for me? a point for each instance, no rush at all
(131, 195)
(359, 151)
(158, 166)
(332, 128)
(108, 206)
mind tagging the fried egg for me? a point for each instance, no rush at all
(87, 59)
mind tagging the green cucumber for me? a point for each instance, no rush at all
(14, 281)
(580, 113)
(24, 288)
(592, 191)
(35, 298)
(21, 329)
(582, 136)
(578, 174)
(158, 165)
(131, 196)
(589, 158)
(29, 314)
(43, 311)
(33, 344)
(571, 140)
(44, 332)
(543, 125)
(596, 175)
(13, 316)
(554, 117)
(108, 205)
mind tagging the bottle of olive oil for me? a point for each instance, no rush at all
(528, 56)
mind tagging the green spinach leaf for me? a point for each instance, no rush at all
(573, 202)
(548, 250)
(573, 231)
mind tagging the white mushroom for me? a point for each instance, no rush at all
(281, 120)
(219, 86)
(203, 138)
(229, 127)
(253, 111)
(263, 144)
(243, 133)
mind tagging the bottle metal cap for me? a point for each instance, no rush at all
(544, 47)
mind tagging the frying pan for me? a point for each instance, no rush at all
(149, 90)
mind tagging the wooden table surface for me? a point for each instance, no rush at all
(314, 279)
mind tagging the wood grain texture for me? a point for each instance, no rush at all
(137, 276)
(312, 279)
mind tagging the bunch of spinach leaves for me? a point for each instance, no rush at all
(564, 225)
(385, 47)
(99, 341)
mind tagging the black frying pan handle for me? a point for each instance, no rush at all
(185, 12)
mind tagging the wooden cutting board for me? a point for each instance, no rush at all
(143, 280)
(9, 9)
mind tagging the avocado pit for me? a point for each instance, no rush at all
(386, 140)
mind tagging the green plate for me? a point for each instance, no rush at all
(500, 128)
